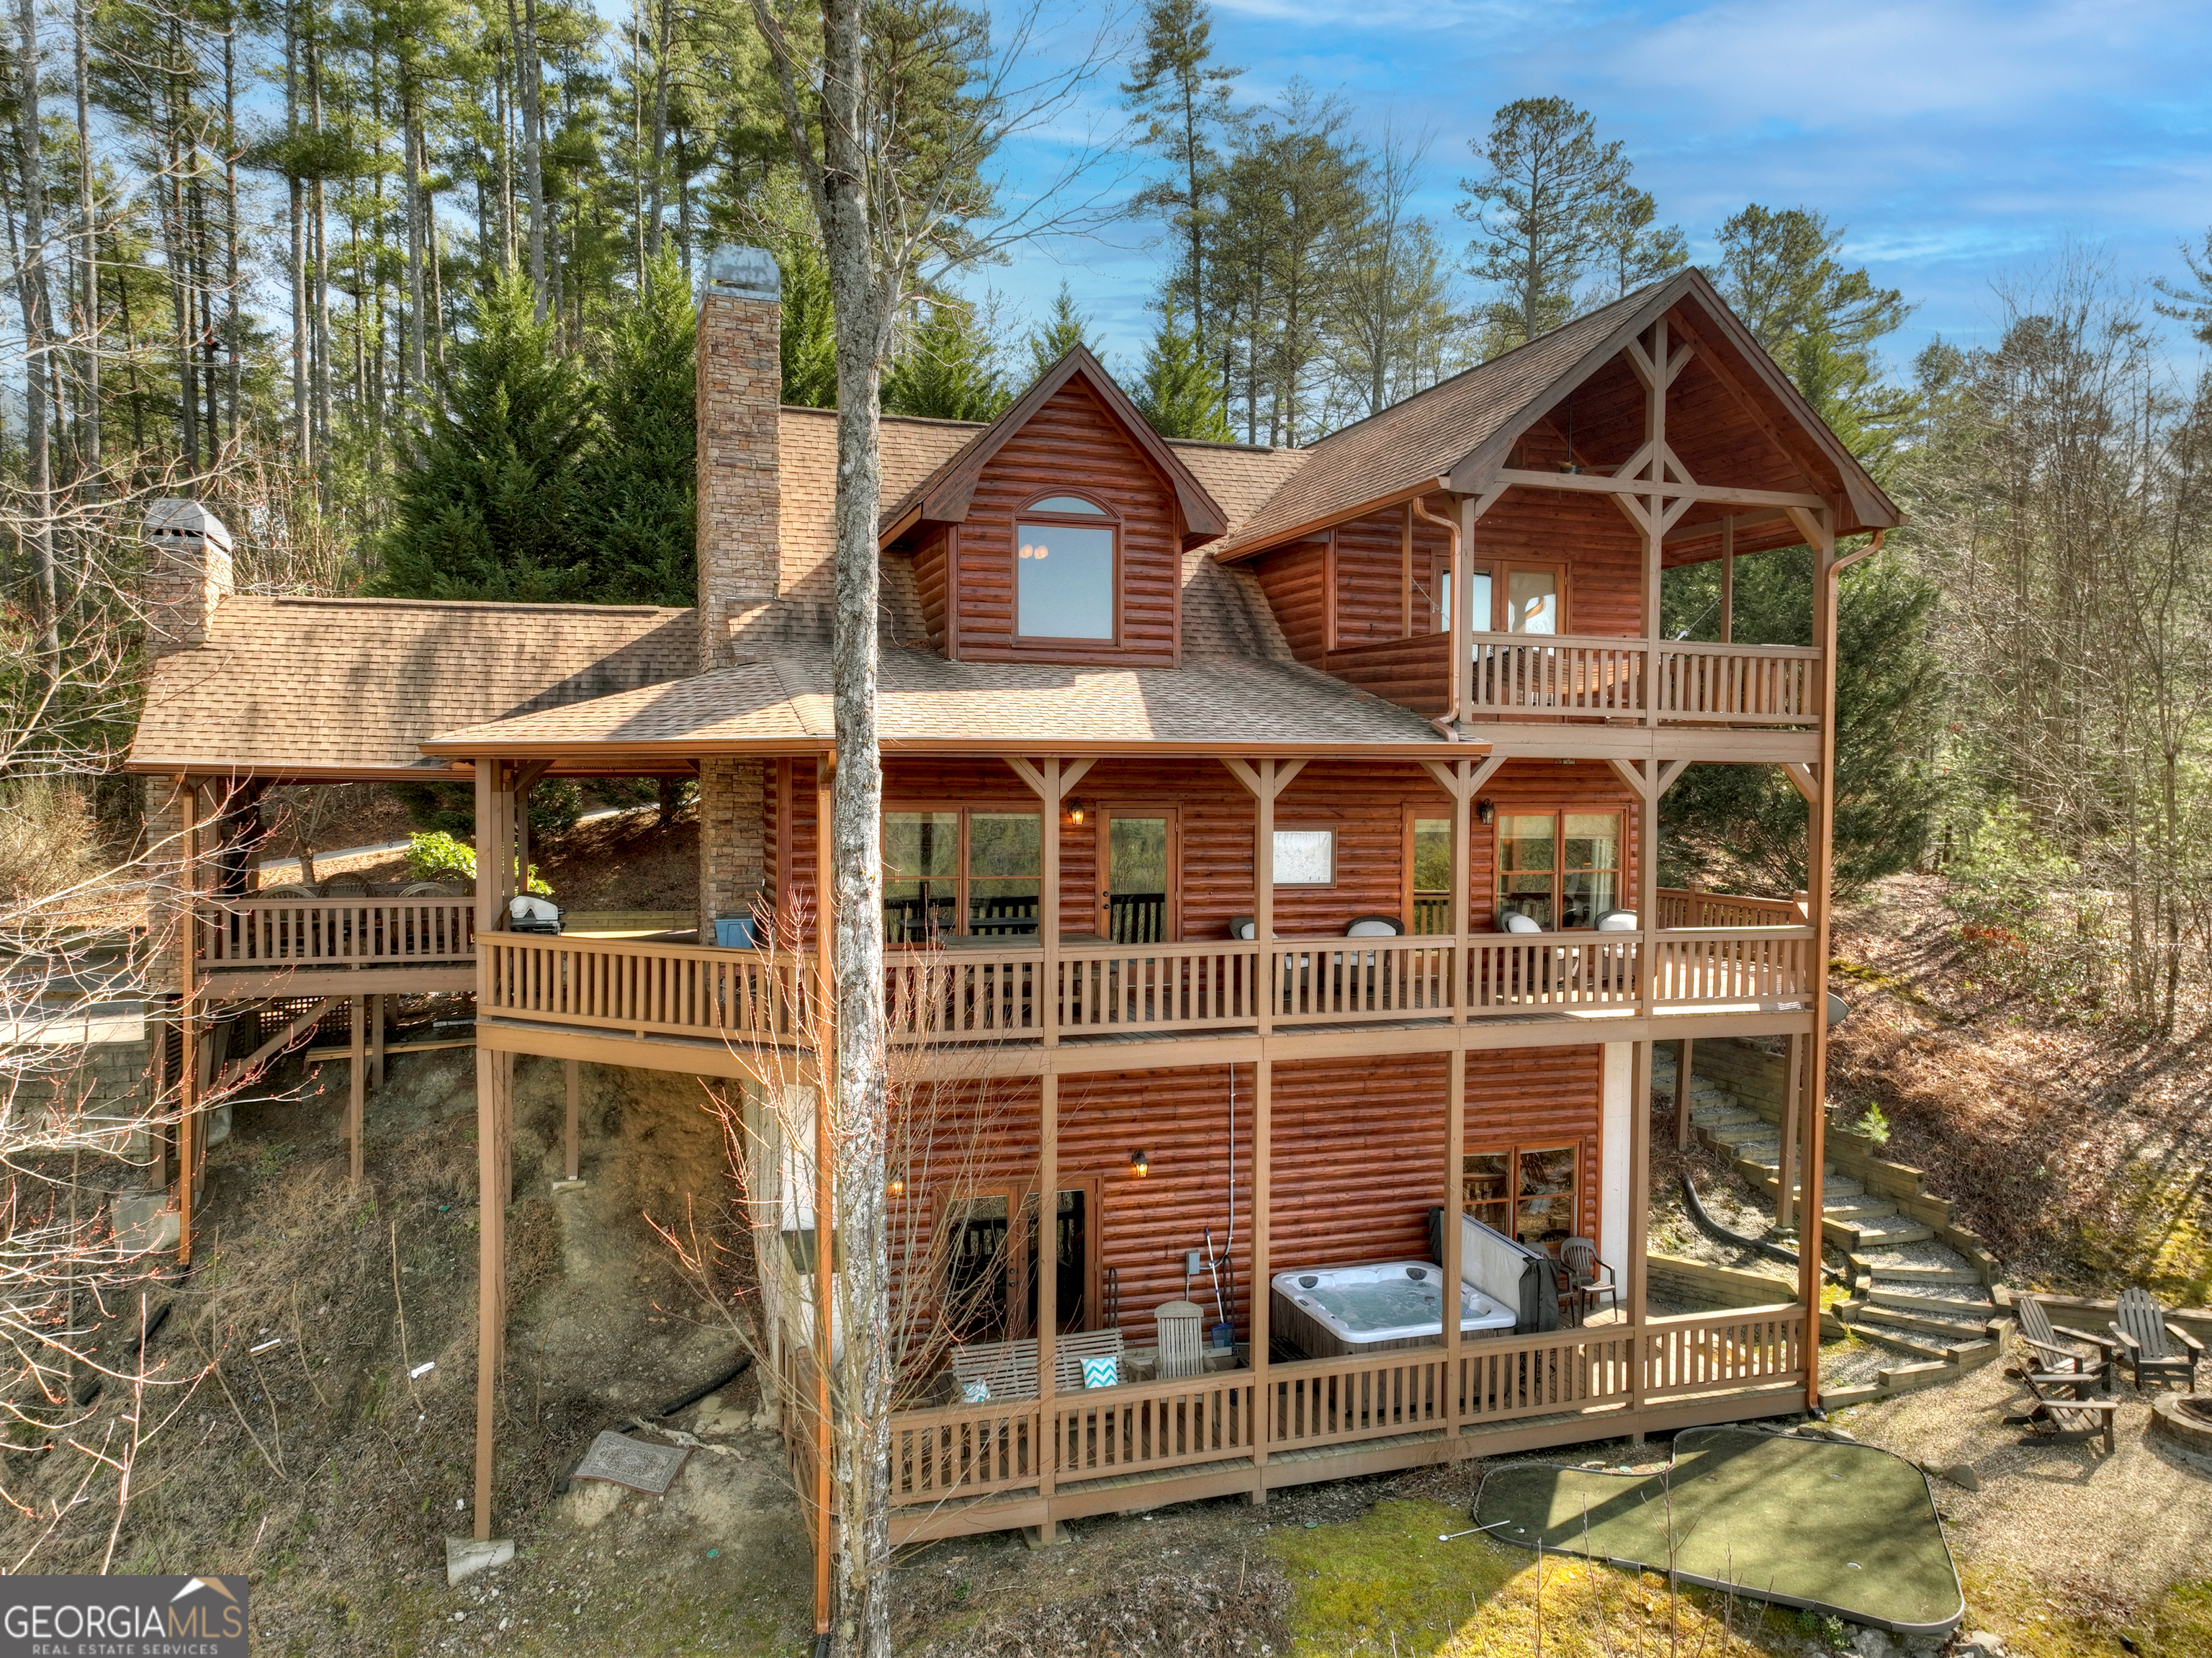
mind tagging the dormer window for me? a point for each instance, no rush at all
(1066, 573)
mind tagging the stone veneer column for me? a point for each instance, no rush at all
(740, 387)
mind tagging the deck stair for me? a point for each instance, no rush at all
(1916, 1295)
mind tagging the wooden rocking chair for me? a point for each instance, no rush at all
(2152, 1348)
(2062, 1413)
(2049, 1355)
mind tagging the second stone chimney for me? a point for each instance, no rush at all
(188, 570)
(740, 386)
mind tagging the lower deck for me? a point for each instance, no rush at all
(1035, 1463)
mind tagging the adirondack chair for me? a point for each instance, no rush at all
(2155, 1349)
(2041, 1338)
(2062, 1413)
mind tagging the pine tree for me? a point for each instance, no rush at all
(1536, 213)
(1181, 95)
(1068, 329)
(485, 505)
(1181, 395)
(638, 504)
(948, 371)
(1631, 247)
(809, 328)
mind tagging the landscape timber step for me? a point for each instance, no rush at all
(1856, 1237)
(1915, 1272)
(1906, 1300)
(1893, 1318)
(1858, 1207)
(1897, 1342)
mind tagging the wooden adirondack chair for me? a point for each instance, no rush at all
(2042, 1339)
(2155, 1350)
(2062, 1413)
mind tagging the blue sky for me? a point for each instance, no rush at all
(1959, 142)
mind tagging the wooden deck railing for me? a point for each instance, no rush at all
(1689, 906)
(668, 989)
(1558, 676)
(1000, 1449)
(1004, 994)
(273, 932)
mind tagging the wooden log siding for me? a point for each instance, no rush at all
(1363, 802)
(1296, 581)
(929, 566)
(1071, 443)
(1358, 1154)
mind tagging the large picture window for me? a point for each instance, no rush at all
(1065, 549)
(1561, 869)
(1527, 1192)
(950, 873)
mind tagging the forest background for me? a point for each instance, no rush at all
(403, 291)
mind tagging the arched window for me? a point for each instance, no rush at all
(1066, 569)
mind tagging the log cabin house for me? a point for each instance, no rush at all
(1267, 830)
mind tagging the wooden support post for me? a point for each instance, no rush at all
(1793, 1117)
(1683, 1060)
(1728, 580)
(1262, 1425)
(1454, 1203)
(1045, 1250)
(188, 1070)
(1046, 998)
(1263, 897)
(356, 1084)
(1633, 1273)
(1463, 893)
(491, 1264)
(376, 1039)
(1405, 575)
(572, 1075)
(1819, 864)
(1655, 529)
(825, 1192)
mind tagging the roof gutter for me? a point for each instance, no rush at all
(1847, 560)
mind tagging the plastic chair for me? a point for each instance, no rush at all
(1181, 1330)
(1587, 1276)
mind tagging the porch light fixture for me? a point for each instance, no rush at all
(1485, 813)
(1140, 1164)
(898, 1187)
(1075, 812)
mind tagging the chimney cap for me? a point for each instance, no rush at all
(751, 272)
(176, 518)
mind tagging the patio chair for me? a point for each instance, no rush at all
(2041, 1338)
(1514, 922)
(1375, 927)
(525, 914)
(1182, 1325)
(2061, 1413)
(1588, 1277)
(2155, 1349)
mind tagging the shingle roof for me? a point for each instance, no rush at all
(926, 700)
(911, 450)
(311, 686)
(1424, 436)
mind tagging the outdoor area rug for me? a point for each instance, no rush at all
(1843, 1529)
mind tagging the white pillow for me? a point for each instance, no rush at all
(1371, 930)
(1518, 922)
(1617, 921)
(1246, 929)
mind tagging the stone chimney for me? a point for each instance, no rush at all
(188, 570)
(740, 385)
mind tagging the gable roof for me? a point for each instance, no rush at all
(1456, 434)
(336, 688)
(943, 496)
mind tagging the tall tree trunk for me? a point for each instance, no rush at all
(180, 256)
(412, 137)
(320, 365)
(232, 365)
(38, 332)
(664, 38)
(88, 451)
(862, 309)
(533, 172)
(302, 348)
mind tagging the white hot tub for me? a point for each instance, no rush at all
(1333, 1311)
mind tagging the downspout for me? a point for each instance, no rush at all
(1454, 668)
